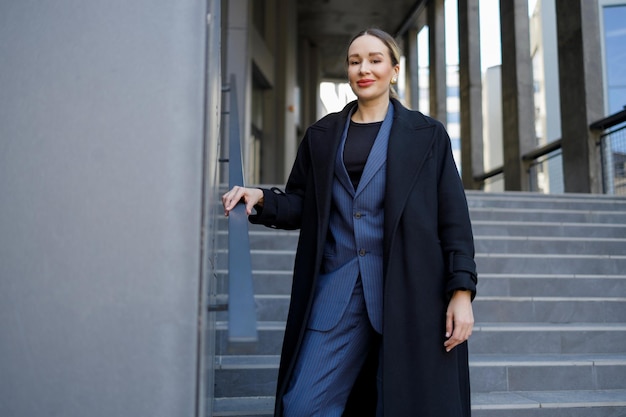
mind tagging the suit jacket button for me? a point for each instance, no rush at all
(362, 252)
(357, 215)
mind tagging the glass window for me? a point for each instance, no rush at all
(453, 91)
(454, 117)
(615, 50)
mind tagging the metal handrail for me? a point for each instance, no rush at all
(610, 121)
(602, 124)
(489, 174)
(543, 150)
(242, 324)
(612, 183)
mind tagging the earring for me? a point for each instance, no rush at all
(394, 80)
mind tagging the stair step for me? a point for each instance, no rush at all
(275, 307)
(532, 372)
(256, 375)
(491, 262)
(266, 241)
(550, 201)
(243, 407)
(542, 338)
(551, 263)
(263, 259)
(246, 375)
(556, 229)
(550, 245)
(270, 307)
(269, 343)
(265, 238)
(580, 403)
(268, 282)
(547, 215)
(550, 309)
(555, 285)
(507, 338)
(263, 281)
(262, 237)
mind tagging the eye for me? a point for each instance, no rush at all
(354, 62)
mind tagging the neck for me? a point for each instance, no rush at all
(369, 112)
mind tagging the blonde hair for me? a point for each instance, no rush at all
(390, 43)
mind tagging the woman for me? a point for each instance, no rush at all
(384, 273)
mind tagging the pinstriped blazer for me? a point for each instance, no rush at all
(355, 240)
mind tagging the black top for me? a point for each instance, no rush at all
(359, 142)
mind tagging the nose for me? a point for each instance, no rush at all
(364, 67)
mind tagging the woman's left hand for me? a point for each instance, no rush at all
(459, 319)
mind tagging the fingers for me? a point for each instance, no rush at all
(461, 333)
(231, 198)
(249, 206)
(459, 320)
(250, 196)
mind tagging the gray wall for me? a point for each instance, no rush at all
(101, 152)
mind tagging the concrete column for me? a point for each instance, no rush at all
(412, 69)
(308, 82)
(286, 103)
(518, 109)
(581, 91)
(492, 125)
(105, 176)
(237, 62)
(470, 86)
(271, 142)
(437, 60)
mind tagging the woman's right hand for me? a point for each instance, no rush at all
(250, 196)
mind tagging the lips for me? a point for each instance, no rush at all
(365, 82)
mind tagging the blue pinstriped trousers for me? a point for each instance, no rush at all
(329, 363)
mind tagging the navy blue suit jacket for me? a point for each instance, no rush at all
(354, 243)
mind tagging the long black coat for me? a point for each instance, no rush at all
(428, 253)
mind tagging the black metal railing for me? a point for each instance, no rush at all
(612, 145)
(242, 324)
(534, 163)
(544, 168)
(544, 165)
(491, 180)
(613, 153)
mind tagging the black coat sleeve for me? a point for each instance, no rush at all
(283, 209)
(455, 230)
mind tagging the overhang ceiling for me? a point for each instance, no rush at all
(330, 24)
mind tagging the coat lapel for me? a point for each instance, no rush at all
(410, 141)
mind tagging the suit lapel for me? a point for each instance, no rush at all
(378, 155)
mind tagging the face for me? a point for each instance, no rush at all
(370, 68)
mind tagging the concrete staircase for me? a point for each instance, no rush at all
(550, 334)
